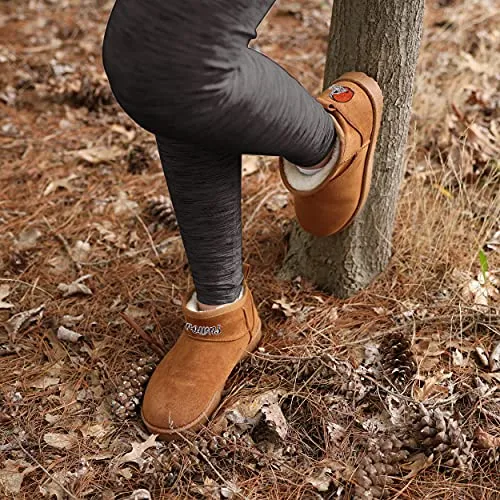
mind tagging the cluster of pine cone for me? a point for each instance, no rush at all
(162, 211)
(139, 159)
(437, 432)
(131, 387)
(398, 362)
(375, 469)
(92, 91)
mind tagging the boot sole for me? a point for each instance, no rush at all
(199, 422)
(372, 89)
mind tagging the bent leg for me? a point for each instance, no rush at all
(205, 187)
(183, 69)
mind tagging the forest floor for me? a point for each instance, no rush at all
(317, 412)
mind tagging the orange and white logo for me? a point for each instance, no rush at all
(339, 93)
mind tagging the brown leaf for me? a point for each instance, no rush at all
(68, 335)
(495, 358)
(44, 382)
(285, 306)
(60, 184)
(19, 320)
(485, 440)
(275, 419)
(4, 293)
(28, 238)
(75, 288)
(419, 463)
(98, 154)
(60, 441)
(138, 449)
(250, 164)
(11, 479)
(124, 206)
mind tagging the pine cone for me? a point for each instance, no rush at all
(397, 360)
(162, 210)
(138, 159)
(379, 463)
(131, 387)
(436, 432)
(93, 91)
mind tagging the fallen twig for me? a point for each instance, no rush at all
(155, 345)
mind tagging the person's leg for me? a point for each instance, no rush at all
(205, 187)
(183, 69)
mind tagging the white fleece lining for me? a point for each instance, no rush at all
(304, 182)
(192, 303)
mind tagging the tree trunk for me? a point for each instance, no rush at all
(381, 38)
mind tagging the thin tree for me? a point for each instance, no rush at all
(381, 38)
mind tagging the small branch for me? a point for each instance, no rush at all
(32, 458)
(150, 238)
(65, 245)
(155, 345)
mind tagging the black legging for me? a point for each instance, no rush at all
(182, 70)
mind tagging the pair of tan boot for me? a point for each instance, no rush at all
(186, 387)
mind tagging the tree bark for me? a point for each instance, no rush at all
(381, 38)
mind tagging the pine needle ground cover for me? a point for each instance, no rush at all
(394, 393)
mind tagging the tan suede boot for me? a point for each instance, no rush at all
(186, 386)
(328, 201)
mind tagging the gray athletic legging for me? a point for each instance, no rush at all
(182, 70)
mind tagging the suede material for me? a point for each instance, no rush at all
(332, 205)
(186, 386)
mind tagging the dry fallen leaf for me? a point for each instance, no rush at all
(277, 202)
(458, 358)
(44, 382)
(28, 238)
(69, 321)
(495, 358)
(80, 251)
(275, 419)
(419, 462)
(336, 433)
(479, 291)
(322, 481)
(60, 183)
(285, 306)
(485, 440)
(123, 205)
(140, 494)
(64, 333)
(128, 134)
(250, 164)
(60, 441)
(4, 293)
(20, 320)
(482, 356)
(75, 288)
(54, 486)
(138, 449)
(11, 479)
(98, 154)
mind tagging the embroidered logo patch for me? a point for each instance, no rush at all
(339, 93)
(203, 330)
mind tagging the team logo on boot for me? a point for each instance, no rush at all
(339, 93)
(203, 330)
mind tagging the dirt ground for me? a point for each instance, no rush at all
(393, 393)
